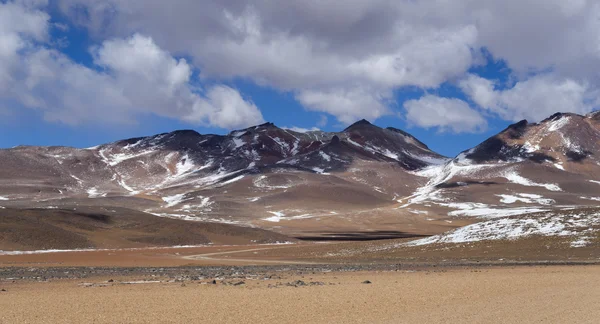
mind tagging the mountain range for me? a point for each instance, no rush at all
(363, 180)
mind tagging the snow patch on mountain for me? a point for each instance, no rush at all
(238, 142)
(591, 198)
(94, 193)
(320, 171)
(437, 175)
(232, 180)
(525, 198)
(174, 200)
(276, 218)
(204, 205)
(118, 158)
(279, 216)
(325, 156)
(549, 224)
(514, 177)
(558, 124)
(263, 182)
(490, 212)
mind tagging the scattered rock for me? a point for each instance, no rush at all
(367, 282)
(239, 283)
(3, 290)
(297, 283)
(214, 282)
(110, 280)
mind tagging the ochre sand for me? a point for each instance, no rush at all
(498, 295)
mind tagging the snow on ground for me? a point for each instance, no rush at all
(261, 182)
(215, 178)
(276, 218)
(174, 200)
(123, 184)
(432, 160)
(99, 250)
(525, 198)
(279, 216)
(196, 218)
(549, 224)
(238, 142)
(320, 171)
(238, 133)
(570, 145)
(296, 147)
(94, 193)
(581, 242)
(79, 181)
(230, 181)
(3, 198)
(559, 166)
(184, 166)
(117, 158)
(285, 147)
(591, 198)
(439, 174)
(558, 124)
(530, 148)
(594, 181)
(490, 212)
(325, 156)
(205, 205)
(514, 177)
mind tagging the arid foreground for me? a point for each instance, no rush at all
(549, 294)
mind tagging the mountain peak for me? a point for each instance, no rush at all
(265, 125)
(359, 124)
(185, 132)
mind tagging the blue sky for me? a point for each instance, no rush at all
(85, 72)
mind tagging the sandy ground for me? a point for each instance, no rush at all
(157, 257)
(500, 295)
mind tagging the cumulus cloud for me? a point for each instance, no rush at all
(302, 129)
(346, 58)
(135, 77)
(326, 53)
(534, 99)
(445, 114)
(347, 105)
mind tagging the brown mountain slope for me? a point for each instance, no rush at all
(98, 228)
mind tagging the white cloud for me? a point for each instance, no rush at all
(136, 77)
(339, 56)
(446, 114)
(322, 122)
(347, 105)
(299, 46)
(302, 129)
(226, 108)
(534, 99)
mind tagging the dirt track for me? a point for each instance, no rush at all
(502, 295)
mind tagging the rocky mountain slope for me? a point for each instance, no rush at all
(362, 179)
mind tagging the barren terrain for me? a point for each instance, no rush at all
(489, 295)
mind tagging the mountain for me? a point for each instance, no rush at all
(526, 168)
(319, 185)
(559, 139)
(260, 176)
